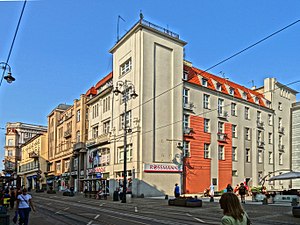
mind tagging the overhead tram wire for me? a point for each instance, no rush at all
(217, 64)
(13, 42)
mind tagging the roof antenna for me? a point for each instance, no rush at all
(118, 27)
(223, 75)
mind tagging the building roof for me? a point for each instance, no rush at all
(196, 76)
(93, 90)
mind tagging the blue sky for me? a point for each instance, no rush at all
(62, 46)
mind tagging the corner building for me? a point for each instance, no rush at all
(186, 126)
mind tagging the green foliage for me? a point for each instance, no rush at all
(256, 189)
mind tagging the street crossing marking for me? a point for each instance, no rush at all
(96, 216)
(89, 223)
(66, 208)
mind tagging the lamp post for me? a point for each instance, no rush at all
(127, 90)
(9, 78)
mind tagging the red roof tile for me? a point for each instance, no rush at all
(193, 78)
(93, 90)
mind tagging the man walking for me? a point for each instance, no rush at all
(176, 191)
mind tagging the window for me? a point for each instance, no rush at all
(78, 136)
(78, 115)
(260, 156)
(95, 132)
(67, 165)
(221, 155)
(247, 155)
(270, 138)
(95, 112)
(126, 67)
(60, 132)
(58, 167)
(270, 121)
(280, 158)
(106, 127)
(258, 116)
(128, 154)
(280, 139)
(234, 153)
(185, 96)
(206, 125)
(220, 127)
(234, 131)
(206, 101)
(231, 91)
(10, 142)
(9, 153)
(219, 87)
(186, 148)
(220, 105)
(256, 100)
(259, 136)
(234, 173)
(279, 122)
(245, 95)
(280, 106)
(270, 155)
(204, 82)
(233, 109)
(206, 151)
(185, 121)
(106, 102)
(128, 120)
(247, 133)
(185, 75)
(247, 115)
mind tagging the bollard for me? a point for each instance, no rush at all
(166, 197)
(211, 199)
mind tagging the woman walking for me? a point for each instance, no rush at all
(24, 202)
(233, 211)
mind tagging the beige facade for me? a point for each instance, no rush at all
(17, 134)
(33, 164)
(66, 128)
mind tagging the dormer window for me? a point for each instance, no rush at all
(231, 91)
(185, 75)
(268, 103)
(219, 87)
(256, 100)
(204, 82)
(245, 95)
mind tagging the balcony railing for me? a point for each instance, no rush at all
(103, 138)
(68, 133)
(223, 114)
(188, 106)
(187, 130)
(281, 147)
(281, 129)
(222, 136)
(260, 124)
(260, 144)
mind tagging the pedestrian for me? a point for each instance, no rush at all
(12, 198)
(233, 212)
(236, 189)
(229, 188)
(6, 198)
(24, 202)
(242, 192)
(176, 191)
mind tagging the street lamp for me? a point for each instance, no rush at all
(127, 90)
(9, 78)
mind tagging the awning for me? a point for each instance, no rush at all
(286, 176)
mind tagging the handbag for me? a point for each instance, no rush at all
(26, 202)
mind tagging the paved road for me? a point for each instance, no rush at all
(62, 210)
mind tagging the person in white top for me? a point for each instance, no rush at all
(24, 202)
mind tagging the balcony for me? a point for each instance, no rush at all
(102, 139)
(281, 147)
(78, 146)
(222, 136)
(281, 129)
(187, 130)
(188, 106)
(260, 124)
(223, 115)
(33, 155)
(68, 133)
(260, 144)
